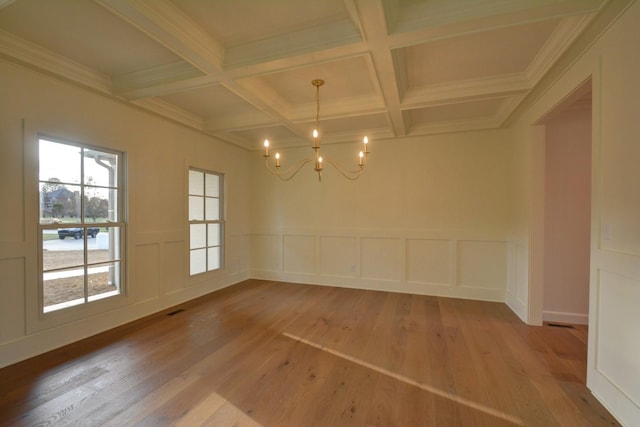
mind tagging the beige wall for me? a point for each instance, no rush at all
(158, 155)
(567, 216)
(429, 215)
(613, 372)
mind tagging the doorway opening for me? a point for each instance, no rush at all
(559, 295)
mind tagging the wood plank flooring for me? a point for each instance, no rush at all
(266, 353)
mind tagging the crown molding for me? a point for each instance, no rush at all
(168, 74)
(562, 37)
(34, 56)
(610, 13)
(508, 107)
(171, 112)
(454, 126)
(235, 140)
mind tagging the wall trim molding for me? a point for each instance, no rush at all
(563, 317)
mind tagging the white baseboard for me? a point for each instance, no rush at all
(440, 290)
(562, 317)
(517, 306)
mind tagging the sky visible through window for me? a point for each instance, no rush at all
(62, 161)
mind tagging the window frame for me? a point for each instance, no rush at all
(74, 309)
(220, 221)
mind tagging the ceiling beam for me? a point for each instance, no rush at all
(374, 27)
(466, 90)
(132, 87)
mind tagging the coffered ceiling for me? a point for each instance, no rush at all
(241, 70)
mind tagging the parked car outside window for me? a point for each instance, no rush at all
(77, 233)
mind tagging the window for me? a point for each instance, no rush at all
(206, 225)
(81, 224)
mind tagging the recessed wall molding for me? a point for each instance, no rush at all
(420, 263)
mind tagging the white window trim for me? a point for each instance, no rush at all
(36, 320)
(221, 221)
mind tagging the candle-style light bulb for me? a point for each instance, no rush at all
(360, 158)
(315, 133)
(366, 147)
(277, 160)
(266, 148)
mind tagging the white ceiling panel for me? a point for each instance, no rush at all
(82, 31)
(238, 22)
(210, 102)
(278, 136)
(375, 122)
(343, 79)
(497, 52)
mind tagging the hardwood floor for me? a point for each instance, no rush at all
(277, 354)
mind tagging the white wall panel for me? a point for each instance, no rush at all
(619, 313)
(419, 265)
(429, 261)
(147, 264)
(382, 258)
(482, 264)
(12, 220)
(338, 256)
(237, 261)
(265, 252)
(299, 254)
(173, 268)
(12, 302)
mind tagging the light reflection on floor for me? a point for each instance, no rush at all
(410, 381)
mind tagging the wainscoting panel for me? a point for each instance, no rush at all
(265, 252)
(338, 256)
(236, 260)
(147, 265)
(12, 305)
(618, 298)
(429, 261)
(173, 271)
(382, 258)
(482, 264)
(299, 254)
(412, 262)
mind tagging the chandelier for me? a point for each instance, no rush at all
(318, 160)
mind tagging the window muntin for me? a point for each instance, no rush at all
(206, 222)
(80, 228)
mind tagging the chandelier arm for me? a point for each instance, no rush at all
(290, 173)
(287, 175)
(350, 175)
